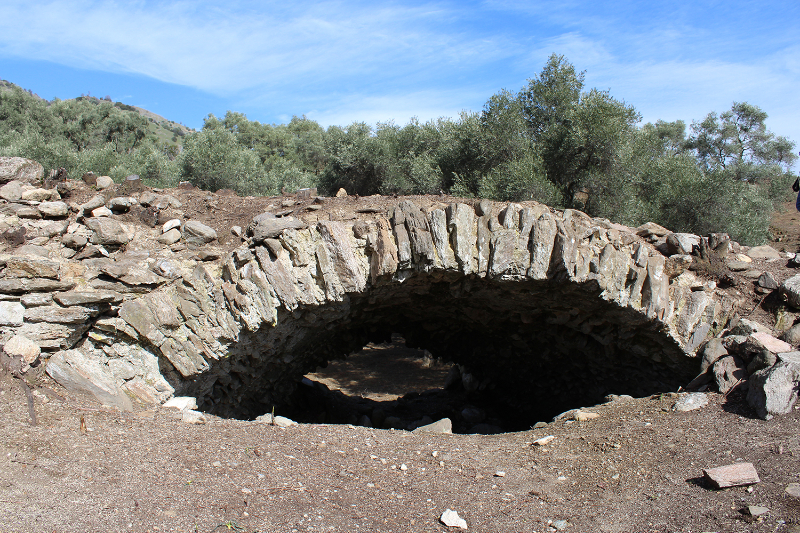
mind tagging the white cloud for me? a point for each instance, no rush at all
(342, 61)
(220, 52)
(671, 86)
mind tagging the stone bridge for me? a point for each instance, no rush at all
(549, 309)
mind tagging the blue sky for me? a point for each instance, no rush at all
(345, 61)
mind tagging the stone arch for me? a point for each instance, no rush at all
(546, 307)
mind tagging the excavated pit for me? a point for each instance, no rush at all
(532, 349)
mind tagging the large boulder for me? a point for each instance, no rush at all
(24, 348)
(57, 209)
(108, 231)
(682, 243)
(197, 233)
(40, 195)
(79, 373)
(790, 290)
(267, 226)
(773, 390)
(11, 191)
(19, 168)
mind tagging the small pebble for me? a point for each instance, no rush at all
(757, 510)
(500, 473)
(450, 518)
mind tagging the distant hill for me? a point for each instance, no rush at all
(167, 131)
(8, 86)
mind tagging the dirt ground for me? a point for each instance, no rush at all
(636, 468)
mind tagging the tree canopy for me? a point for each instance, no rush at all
(554, 141)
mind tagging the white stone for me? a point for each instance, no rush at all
(790, 289)
(11, 313)
(121, 203)
(445, 425)
(174, 223)
(38, 195)
(198, 233)
(682, 243)
(104, 182)
(544, 440)
(280, 421)
(773, 391)
(78, 372)
(450, 518)
(193, 417)
(98, 200)
(21, 346)
(771, 343)
(690, 402)
(182, 403)
(11, 191)
(101, 212)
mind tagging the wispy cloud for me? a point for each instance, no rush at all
(340, 61)
(223, 51)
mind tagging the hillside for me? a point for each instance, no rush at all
(166, 131)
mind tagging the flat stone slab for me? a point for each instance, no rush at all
(71, 298)
(771, 343)
(764, 252)
(57, 209)
(445, 425)
(59, 315)
(738, 266)
(735, 475)
(690, 402)
(30, 267)
(22, 285)
(269, 228)
(198, 233)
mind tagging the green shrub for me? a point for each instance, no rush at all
(213, 160)
(53, 154)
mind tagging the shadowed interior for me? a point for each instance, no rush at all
(534, 348)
